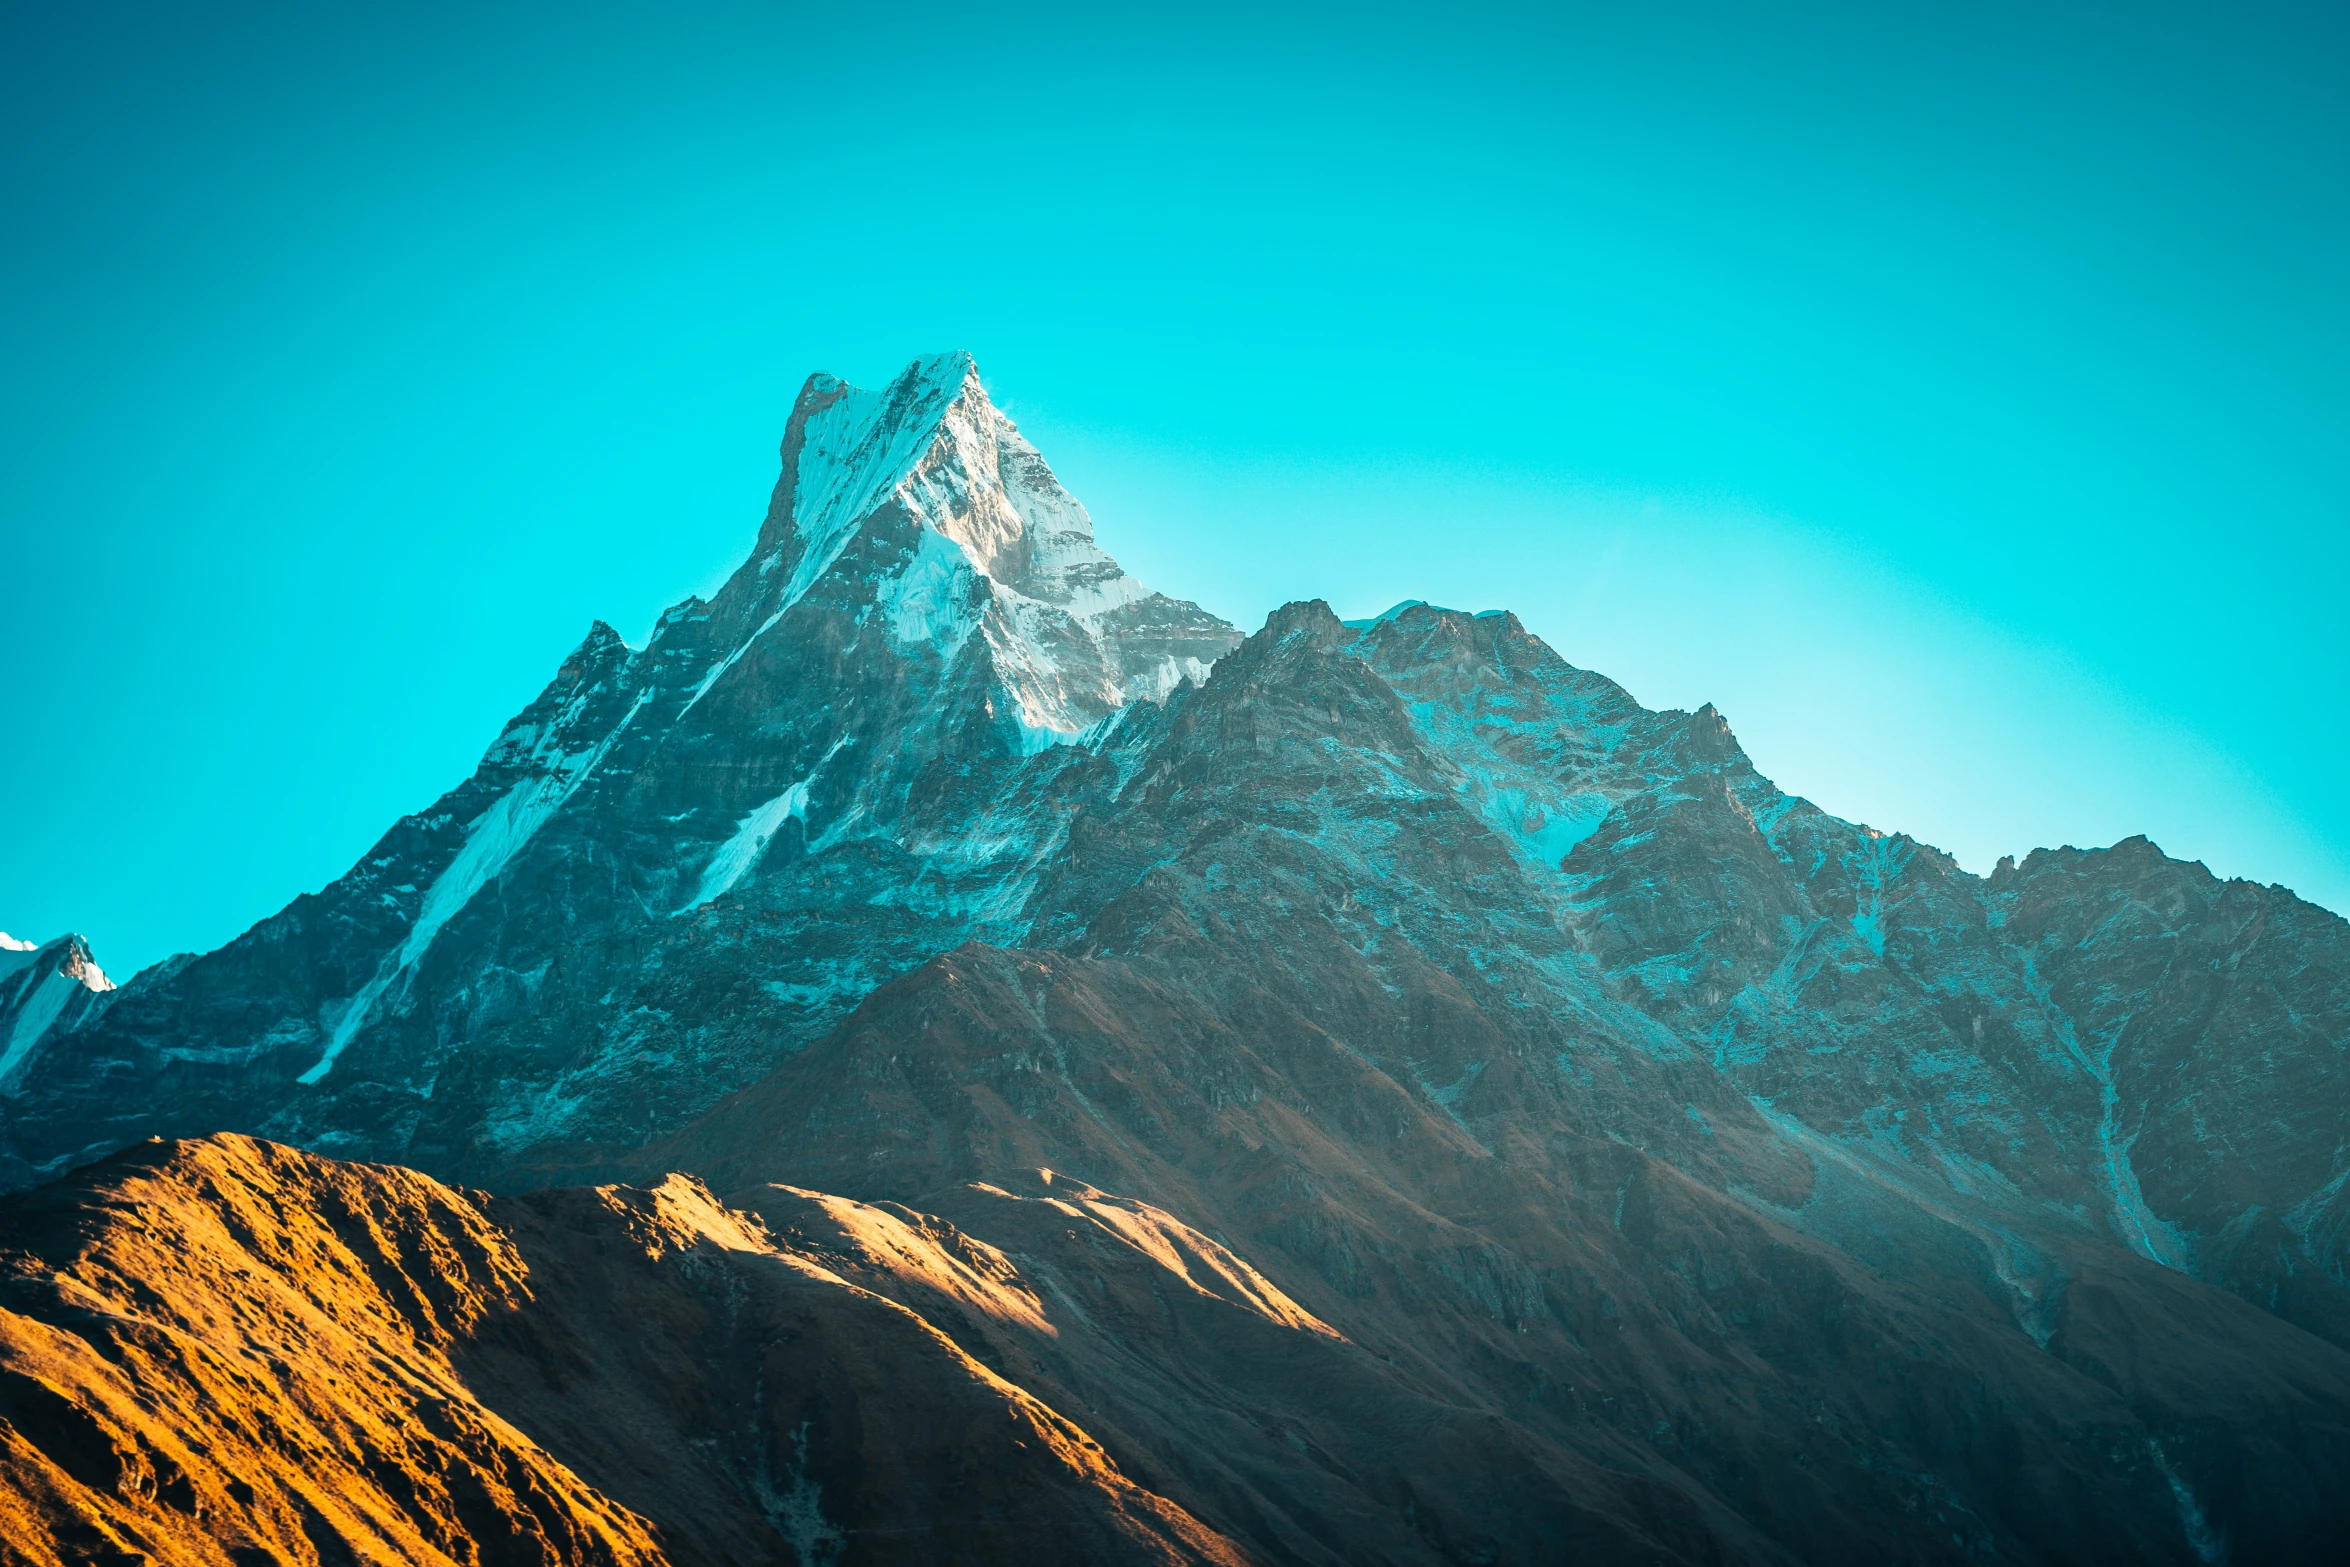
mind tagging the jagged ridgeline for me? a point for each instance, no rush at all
(1368, 1091)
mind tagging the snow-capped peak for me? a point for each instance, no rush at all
(43, 986)
(74, 961)
(933, 442)
(996, 548)
(847, 451)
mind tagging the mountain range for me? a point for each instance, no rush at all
(944, 1053)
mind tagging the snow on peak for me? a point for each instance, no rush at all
(933, 442)
(74, 961)
(1001, 549)
(856, 449)
(80, 967)
(38, 994)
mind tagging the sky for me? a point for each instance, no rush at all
(1954, 395)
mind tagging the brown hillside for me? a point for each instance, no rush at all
(229, 1352)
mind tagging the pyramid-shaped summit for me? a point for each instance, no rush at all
(952, 524)
(923, 645)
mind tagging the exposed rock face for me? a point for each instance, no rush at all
(1574, 1142)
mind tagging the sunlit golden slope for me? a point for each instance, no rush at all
(226, 1351)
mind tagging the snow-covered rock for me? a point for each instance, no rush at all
(46, 991)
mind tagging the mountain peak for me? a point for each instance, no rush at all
(846, 449)
(922, 500)
(71, 954)
(931, 374)
(43, 985)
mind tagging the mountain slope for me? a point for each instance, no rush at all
(46, 989)
(233, 1351)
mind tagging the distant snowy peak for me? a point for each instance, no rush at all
(42, 987)
(68, 956)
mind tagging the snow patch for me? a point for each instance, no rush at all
(38, 1012)
(40, 996)
(738, 855)
(1869, 926)
(848, 983)
(929, 602)
(2139, 1226)
(1154, 684)
(1882, 862)
(752, 834)
(1543, 833)
(491, 842)
(731, 659)
(2193, 1522)
(1449, 1096)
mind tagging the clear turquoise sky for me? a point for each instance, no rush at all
(1955, 395)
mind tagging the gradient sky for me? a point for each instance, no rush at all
(1954, 395)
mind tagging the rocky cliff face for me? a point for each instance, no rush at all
(1622, 1154)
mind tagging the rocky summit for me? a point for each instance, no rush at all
(946, 1054)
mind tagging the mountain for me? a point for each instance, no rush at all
(1395, 1096)
(44, 988)
(686, 860)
